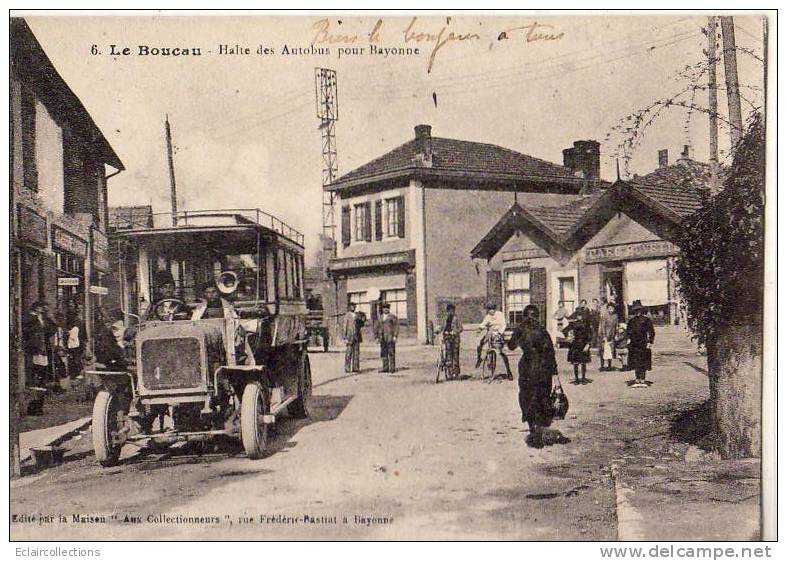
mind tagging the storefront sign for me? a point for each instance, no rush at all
(100, 251)
(628, 251)
(67, 241)
(524, 254)
(373, 261)
(100, 290)
(67, 281)
(32, 227)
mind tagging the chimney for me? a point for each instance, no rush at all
(423, 137)
(663, 158)
(584, 159)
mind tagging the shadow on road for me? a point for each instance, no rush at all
(694, 426)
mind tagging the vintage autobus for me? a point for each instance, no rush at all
(192, 377)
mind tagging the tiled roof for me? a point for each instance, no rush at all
(129, 217)
(677, 187)
(561, 219)
(462, 156)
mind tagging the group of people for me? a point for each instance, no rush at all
(599, 327)
(386, 331)
(56, 346)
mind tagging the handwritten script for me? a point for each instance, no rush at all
(436, 37)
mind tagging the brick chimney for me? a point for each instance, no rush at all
(423, 137)
(663, 158)
(584, 159)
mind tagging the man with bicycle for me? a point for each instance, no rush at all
(452, 331)
(493, 325)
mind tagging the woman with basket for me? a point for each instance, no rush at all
(537, 375)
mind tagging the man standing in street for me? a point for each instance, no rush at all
(351, 334)
(387, 333)
(537, 367)
(641, 335)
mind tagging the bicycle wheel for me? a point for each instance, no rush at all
(490, 362)
(440, 366)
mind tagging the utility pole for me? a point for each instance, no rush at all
(328, 113)
(713, 106)
(173, 191)
(731, 76)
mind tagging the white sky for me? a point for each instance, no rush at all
(245, 127)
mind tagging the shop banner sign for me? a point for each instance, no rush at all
(100, 290)
(625, 252)
(372, 261)
(31, 227)
(68, 242)
(67, 281)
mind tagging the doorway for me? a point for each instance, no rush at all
(612, 290)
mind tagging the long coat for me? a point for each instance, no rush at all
(351, 331)
(576, 352)
(536, 368)
(387, 328)
(37, 333)
(640, 332)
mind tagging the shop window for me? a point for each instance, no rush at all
(517, 294)
(361, 302)
(398, 301)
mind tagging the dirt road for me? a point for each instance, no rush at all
(382, 457)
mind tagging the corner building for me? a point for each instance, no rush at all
(410, 218)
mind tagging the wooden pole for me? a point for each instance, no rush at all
(731, 76)
(713, 106)
(173, 190)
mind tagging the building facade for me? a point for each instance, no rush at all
(58, 174)
(410, 218)
(616, 245)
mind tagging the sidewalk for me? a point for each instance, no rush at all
(49, 436)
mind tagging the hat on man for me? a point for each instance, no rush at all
(163, 277)
(491, 306)
(385, 306)
(636, 305)
(532, 307)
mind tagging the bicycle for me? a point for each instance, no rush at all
(445, 363)
(492, 347)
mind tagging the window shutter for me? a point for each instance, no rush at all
(400, 216)
(494, 288)
(367, 225)
(538, 292)
(378, 220)
(346, 233)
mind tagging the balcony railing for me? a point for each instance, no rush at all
(227, 216)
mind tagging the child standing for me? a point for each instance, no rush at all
(622, 346)
(579, 351)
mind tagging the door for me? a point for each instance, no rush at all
(538, 292)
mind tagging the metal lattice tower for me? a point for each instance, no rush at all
(328, 113)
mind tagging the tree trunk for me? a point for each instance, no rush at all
(735, 377)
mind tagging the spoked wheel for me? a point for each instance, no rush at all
(253, 429)
(490, 362)
(300, 407)
(108, 413)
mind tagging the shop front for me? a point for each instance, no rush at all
(71, 254)
(371, 280)
(634, 271)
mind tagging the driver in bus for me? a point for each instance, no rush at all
(165, 290)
